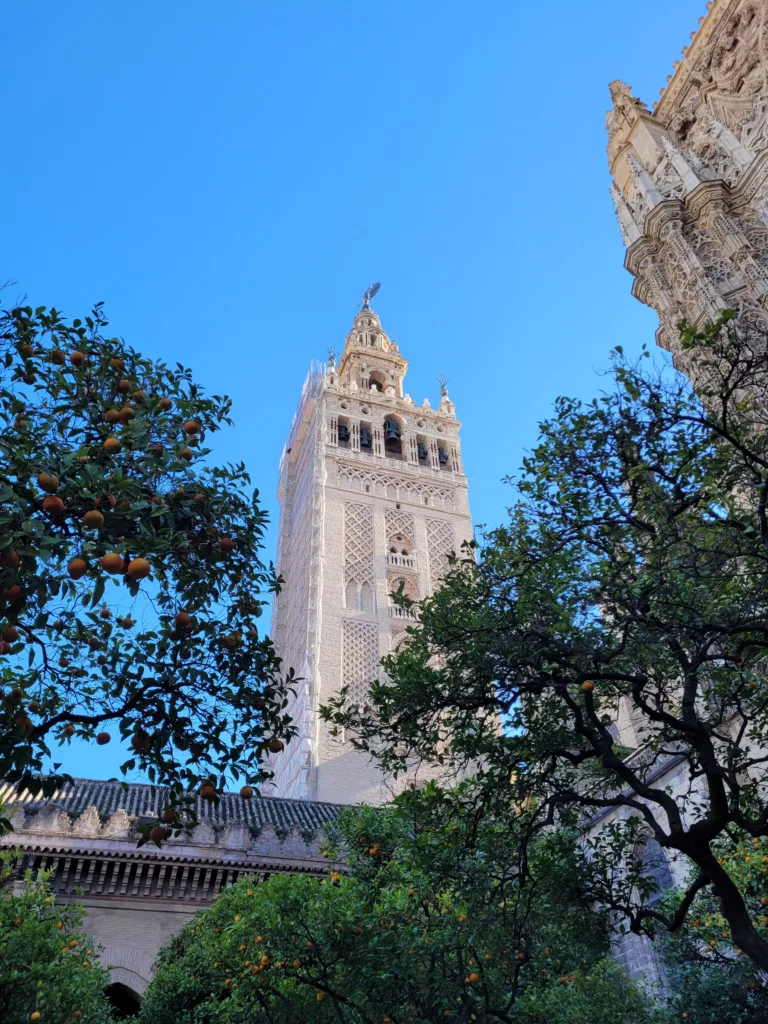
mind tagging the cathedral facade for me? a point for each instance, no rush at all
(373, 500)
(690, 176)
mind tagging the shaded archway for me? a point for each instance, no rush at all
(125, 1002)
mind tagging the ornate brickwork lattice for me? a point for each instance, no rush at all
(440, 543)
(360, 658)
(398, 522)
(358, 542)
(384, 485)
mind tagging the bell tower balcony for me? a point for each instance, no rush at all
(401, 561)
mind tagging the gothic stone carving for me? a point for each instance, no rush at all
(691, 177)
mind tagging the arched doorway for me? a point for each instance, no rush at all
(125, 1002)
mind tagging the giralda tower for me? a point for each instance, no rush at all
(372, 494)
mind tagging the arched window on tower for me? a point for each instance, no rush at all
(343, 432)
(393, 443)
(352, 597)
(377, 380)
(366, 437)
(422, 447)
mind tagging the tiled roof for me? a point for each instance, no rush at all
(139, 799)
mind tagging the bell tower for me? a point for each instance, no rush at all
(373, 497)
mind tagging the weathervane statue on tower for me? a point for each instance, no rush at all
(372, 289)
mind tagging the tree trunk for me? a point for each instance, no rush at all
(733, 908)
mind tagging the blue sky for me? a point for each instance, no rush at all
(229, 178)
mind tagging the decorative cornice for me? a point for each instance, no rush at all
(164, 856)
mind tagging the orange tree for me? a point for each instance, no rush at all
(49, 968)
(131, 582)
(432, 919)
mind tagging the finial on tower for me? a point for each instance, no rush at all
(372, 289)
(442, 380)
(331, 357)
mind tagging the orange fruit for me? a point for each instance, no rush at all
(112, 416)
(127, 413)
(165, 404)
(320, 996)
(112, 445)
(57, 356)
(191, 427)
(12, 593)
(10, 634)
(588, 685)
(112, 562)
(78, 358)
(158, 834)
(48, 482)
(182, 620)
(11, 560)
(93, 519)
(77, 568)
(69, 730)
(275, 745)
(53, 505)
(124, 385)
(103, 738)
(226, 544)
(186, 454)
(139, 569)
(207, 791)
(169, 817)
(117, 363)
(34, 1016)
(246, 792)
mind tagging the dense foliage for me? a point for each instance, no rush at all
(433, 919)
(130, 576)
(710, 979)
(618, 626)
(49, 968)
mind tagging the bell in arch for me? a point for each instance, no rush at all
(391, 430)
